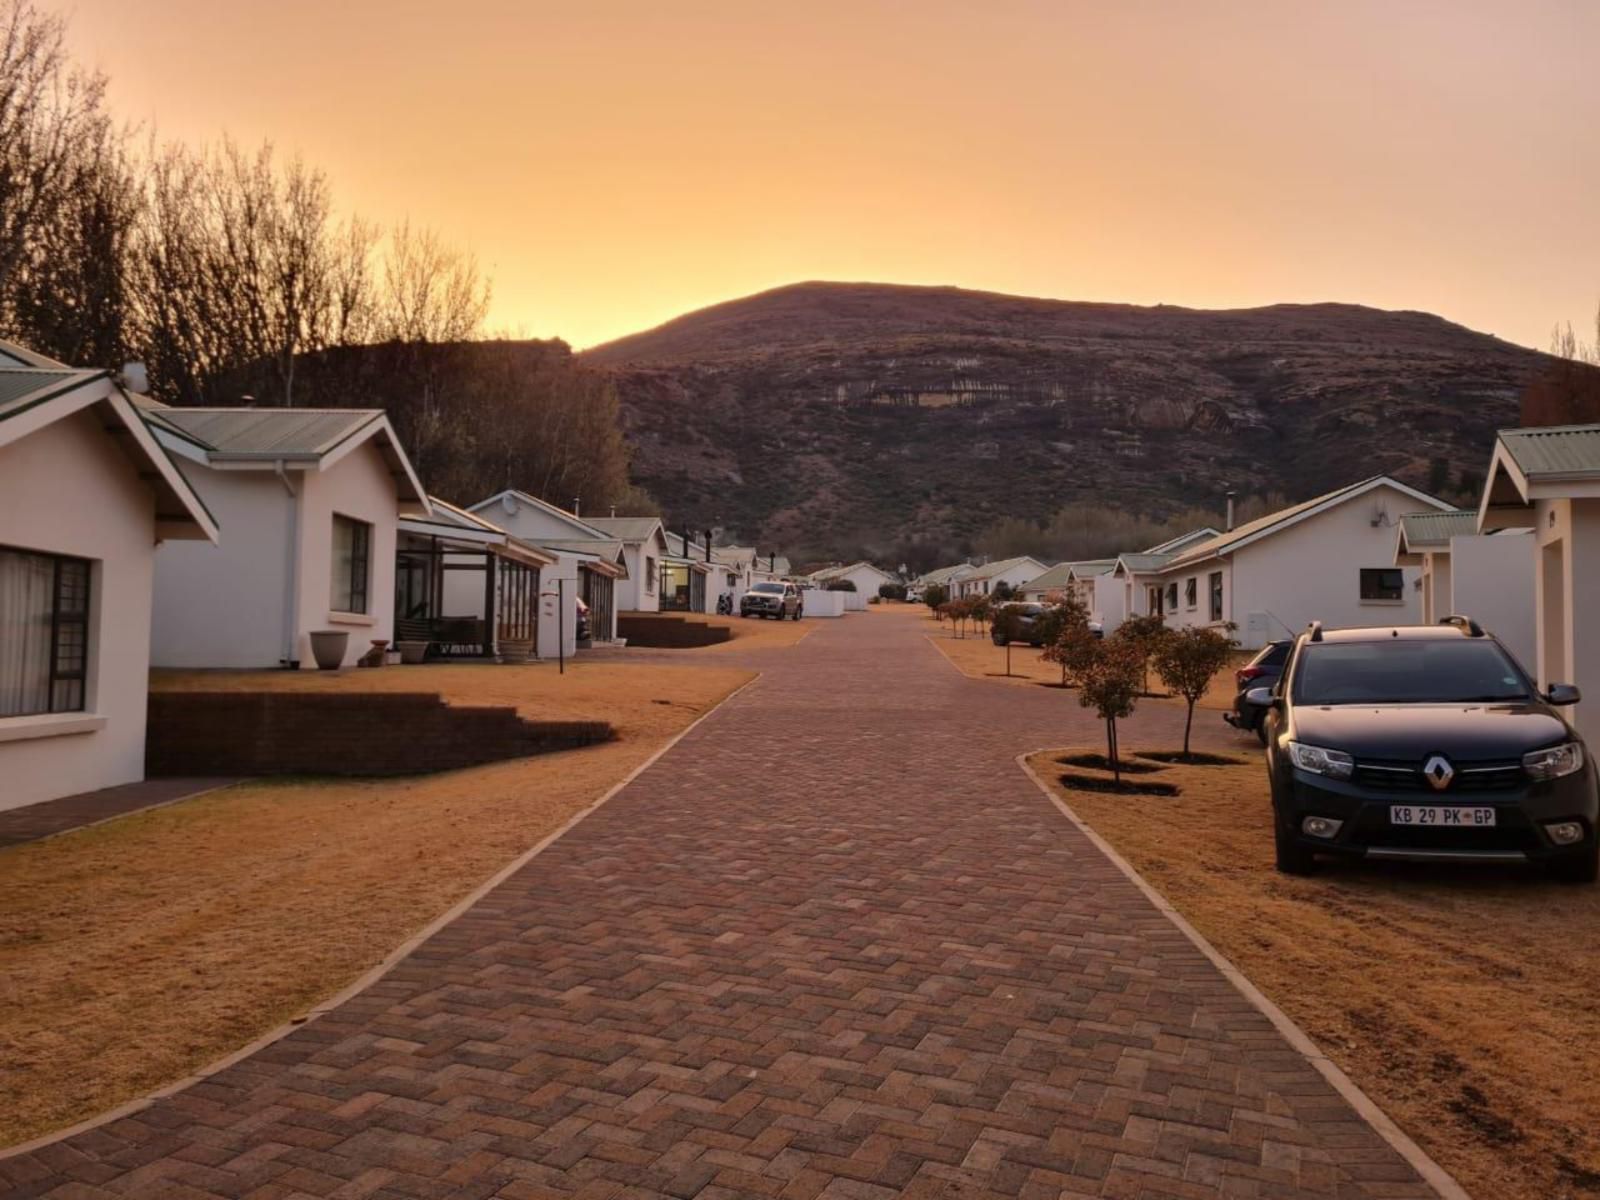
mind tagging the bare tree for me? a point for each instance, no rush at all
(431, 292)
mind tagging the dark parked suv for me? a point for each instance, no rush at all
(769, 598)
(1015, 621)
(1262, 671)
(1425, 743)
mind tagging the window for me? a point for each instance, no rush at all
(1153, 601)
(1397, 671)
(352, 558)
(1215, 580)
(1191, 592)
(1172, 596)
(649, 574)
(1383, 583)
(44, 633)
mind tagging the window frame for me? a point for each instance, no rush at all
(1170, 597)
(360, 567)
(1214, 592)
(62, 621)
(1399, 590)
(1191, 592)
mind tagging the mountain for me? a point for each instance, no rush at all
(833, 418)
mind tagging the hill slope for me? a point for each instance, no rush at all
(832, 418)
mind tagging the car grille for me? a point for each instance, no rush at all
(1500, 775)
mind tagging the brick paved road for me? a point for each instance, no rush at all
(833, 944)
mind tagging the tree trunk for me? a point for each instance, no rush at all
(1188, 721)
(1116, 755)
(1111, 744)
(1008, 656)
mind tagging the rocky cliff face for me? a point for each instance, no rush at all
(836, 417)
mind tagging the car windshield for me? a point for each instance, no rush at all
(775, 589)
(1398, 671)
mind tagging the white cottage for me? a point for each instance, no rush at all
(87, 496)
(644, 541)
(1013, 572)
(1488, 577)
(311, 499)
(866, 578)
(1549, 478)
(1329, 559)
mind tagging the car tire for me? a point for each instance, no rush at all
(1583, 867)
(797, 614)
(1261, 731)
(1292, 858)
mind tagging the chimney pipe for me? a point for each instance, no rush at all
(708, 544)
(577, 502)
(1230, 512)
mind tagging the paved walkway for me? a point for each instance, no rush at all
(833, 944)
(35, 821)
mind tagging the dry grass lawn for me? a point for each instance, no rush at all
(134, 952)
(1464, 1001)
(976, 656)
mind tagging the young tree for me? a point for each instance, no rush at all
(1109, 684)
(1005, 626)
(1003, 591)
(936, 596)
(1187, 660)
(1067, 637)
(1144, 633)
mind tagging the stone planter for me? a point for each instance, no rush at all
(515, 650)
(328, 647)
(412, 653)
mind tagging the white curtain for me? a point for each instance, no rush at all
(27, 582)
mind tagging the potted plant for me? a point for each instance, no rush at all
(412, 651)
(328, 647)
(514, 650)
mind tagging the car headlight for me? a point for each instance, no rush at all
(1554, 761)
(1335, 764)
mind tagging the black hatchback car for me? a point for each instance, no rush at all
(1262, 671)
(1425, 743)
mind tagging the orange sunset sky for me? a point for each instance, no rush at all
(615, 164)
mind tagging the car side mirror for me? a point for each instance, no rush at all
(1262, 697)
(1562, 694)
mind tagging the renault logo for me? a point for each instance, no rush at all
(1438, 772)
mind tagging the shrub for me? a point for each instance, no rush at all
(935, 596)
(892, 591)
(1067, 638)
(1003, 591)
(840, 585)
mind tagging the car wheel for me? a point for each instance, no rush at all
(1583, 867)
(797, 614)
(1292, 858)
(1261, 731)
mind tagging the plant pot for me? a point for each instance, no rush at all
(515, 650)
(412, 652)
(328, 647)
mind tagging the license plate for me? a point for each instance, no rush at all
(1445, 816)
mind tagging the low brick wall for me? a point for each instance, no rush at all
(669, 631)
(345, 733)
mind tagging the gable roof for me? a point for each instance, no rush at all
(1175, 545)
(1141, 563)
(1285, 518)
(447, 522)
(990, 570)
(1555, 451)
(265, 437)
(1432, 529)
(839, 571)
(1056, 577)
(1088, 568)
(511, 497)
(629, 529)
(608, 552)
(32, 398)
(945, 574)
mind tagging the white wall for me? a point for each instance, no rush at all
(225, 605)
(1567, 581)
(1311, 572)
(559, 589)
(1492, 581)
(67, 489)
(1108, 605)
(818, 603)
(358, 485)
(1199, 616)
(868, 579)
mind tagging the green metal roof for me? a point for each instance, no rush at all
(1557, 451)
(629, 529)
(268, 432)
(990, 570)
(23, 387)
(1057, 576)
(1146, 562)
(1437, 528)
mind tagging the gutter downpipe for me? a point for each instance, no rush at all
(291, 598)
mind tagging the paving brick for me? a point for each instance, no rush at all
(834, 943)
